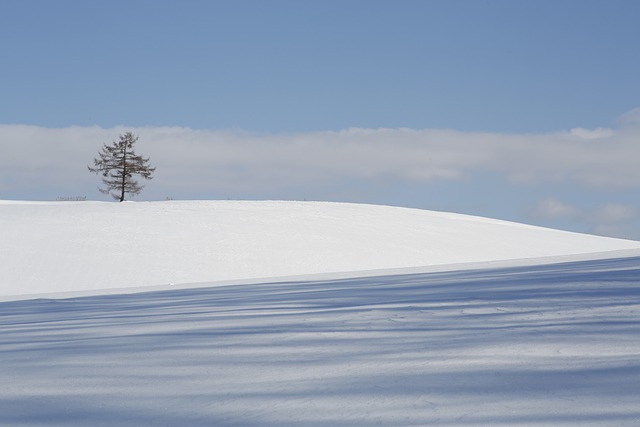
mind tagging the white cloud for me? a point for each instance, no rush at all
(591, 133)
(233, 162)
(630, 118)
(597, 159)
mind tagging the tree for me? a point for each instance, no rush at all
(118, 164)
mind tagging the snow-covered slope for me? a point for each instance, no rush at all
(74, 246)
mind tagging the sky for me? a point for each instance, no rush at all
(521, 110)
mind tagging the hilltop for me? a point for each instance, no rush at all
(85, 246)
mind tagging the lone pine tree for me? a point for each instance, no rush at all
(118, 163)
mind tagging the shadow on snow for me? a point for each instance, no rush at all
(550, 345)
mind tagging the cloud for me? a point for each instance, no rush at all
(235, 162)
(591, 133)
(630, 118)
(600, 158)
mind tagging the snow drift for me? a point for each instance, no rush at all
(78, 246)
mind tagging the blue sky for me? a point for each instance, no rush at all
(212, 78)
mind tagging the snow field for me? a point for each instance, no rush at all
(397, 317)
(79, 246)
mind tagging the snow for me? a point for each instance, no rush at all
(82, 246)
(402, 317)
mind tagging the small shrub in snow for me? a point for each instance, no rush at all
(71, 198)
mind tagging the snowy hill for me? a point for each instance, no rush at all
(76, 246)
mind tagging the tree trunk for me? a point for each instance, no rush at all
(124, 173)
